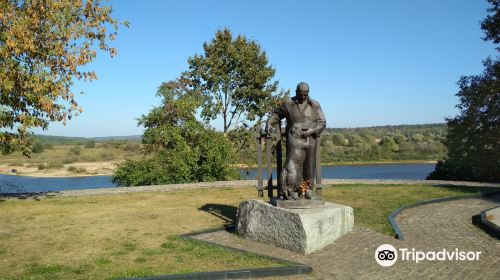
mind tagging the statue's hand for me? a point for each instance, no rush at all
(307, 133)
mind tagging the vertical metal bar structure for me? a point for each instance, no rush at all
(279, 152)
(269, 144)
(319, 187)
(260, 185)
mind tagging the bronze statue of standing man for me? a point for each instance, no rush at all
(304, 123)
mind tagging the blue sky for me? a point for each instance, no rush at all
(367, 62)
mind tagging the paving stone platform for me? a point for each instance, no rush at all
(445, 225)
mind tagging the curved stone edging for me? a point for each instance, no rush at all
(294, 269)
(234, 274)
(392, 217)
(482, 222)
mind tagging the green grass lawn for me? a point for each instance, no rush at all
(137, 234)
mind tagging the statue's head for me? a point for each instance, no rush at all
(302, 92)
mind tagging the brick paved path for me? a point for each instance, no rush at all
(438, 226)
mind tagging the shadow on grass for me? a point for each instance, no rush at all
(227, 213)
(33, 195)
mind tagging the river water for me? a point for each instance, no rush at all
(396, 171)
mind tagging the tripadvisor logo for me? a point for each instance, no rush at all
(387, 255)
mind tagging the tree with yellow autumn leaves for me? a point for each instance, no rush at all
(43, 46)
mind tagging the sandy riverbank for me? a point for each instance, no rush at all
(107, 168)
(82, 169)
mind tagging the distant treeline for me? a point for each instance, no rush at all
(379, 143)
(63, 140)
(366, 144)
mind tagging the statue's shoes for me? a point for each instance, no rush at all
(308, 194)
(294, 195)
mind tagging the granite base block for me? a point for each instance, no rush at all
(299, 230)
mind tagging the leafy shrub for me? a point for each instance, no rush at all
(178, 147)
(418, 137)
(76, 150)
(38, 147)
(75, 169)
(55, 165)
(103, 144)
(90, 144)
(107, 156)
(132, 147)
(113, 144)
(42, 166)
(81, 170)
(70, 159)
(338, 139)
(138, 173)
(89, 157)
(206, 159)
(71, 168)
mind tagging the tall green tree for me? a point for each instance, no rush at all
(177, 147)
(43, 46)
(491, 24)
(473, 138)
(235, 78)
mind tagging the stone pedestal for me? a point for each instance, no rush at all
(297, 204)
(302, 230)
